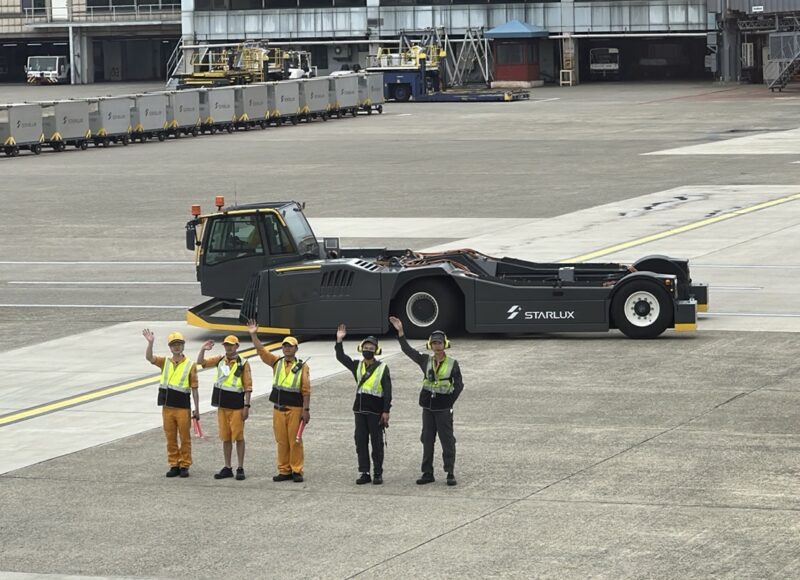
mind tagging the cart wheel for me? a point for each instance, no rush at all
(229, 128)
(641, 309)
(339, 114)
(36, 149)
(161, 137)
(178, 134)
(14, 151)
(213, 130)
(125, 140)
(7, 150)
(324, 116)
(369, 111)
(84, 145)
(263, 124)
(195, 131)
(427, 305)
(295, 120)
(380, 109)
(353, 112)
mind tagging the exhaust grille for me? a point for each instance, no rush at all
(336, 282)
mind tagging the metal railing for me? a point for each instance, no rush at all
(127, 13)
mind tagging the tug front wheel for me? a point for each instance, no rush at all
(427, 305)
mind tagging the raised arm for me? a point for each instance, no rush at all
(266, 356)
(201, 356)
(418, 357)
(150, 337)
(349, 363)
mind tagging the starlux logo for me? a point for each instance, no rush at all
(516, 310)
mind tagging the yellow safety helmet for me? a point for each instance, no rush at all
(175, 337)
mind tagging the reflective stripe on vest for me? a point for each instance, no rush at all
(231, 382)
(283, 380)
(442, 382)
(176, 379)
(374, 384)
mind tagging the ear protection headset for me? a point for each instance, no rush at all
(371, 340)
(438, 335)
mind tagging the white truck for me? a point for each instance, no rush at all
(604, 63)
(47, 70)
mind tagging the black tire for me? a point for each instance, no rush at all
(369, 111)
(106, 142)
(36, 149)
(295, 120)
(14, 151)
(229, 128)
(7, 150)
(324, 116)
(402, 93)
(84, 145)
(642, 309)
(126, 140)
(162, 136)
(354, 112)
(427, 305)
(380, 109)
(195, 131)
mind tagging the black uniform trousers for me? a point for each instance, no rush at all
(369, 430)
(441, 423)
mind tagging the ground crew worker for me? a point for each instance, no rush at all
(178, 379)
(291, 399)
(232, 390)
(372, 404)
(441, 386)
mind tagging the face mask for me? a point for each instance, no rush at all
(368, 354)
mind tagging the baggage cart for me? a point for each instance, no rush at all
(21, 128)
(110, 120)
(66, 123)
(149, 116)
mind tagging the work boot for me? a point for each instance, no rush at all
(184, 472)
(426, 478)
(297, 477)
(174, 471)
(239, 473)
(224, 473)
(365, 478)
(377, 480)
(451, 479)
(282, 477)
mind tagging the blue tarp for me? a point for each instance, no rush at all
(516, 29)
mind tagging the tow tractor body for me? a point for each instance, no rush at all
(262, 261)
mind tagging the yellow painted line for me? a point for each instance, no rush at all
(99, 394)
(296, 268)
(682, 229)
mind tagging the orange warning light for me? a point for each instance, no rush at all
(195, 210)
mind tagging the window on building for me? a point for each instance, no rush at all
(30, 6)
(280, 3)
(350, 3)
(316, 3)
(510, 54)
(246, 4)
(398, 2)
(533, 53)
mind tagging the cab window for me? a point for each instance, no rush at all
(234, 237)
(277, 237)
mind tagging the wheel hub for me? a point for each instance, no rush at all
(642, 309)
(422, 309)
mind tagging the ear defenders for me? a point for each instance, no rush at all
(371, 340)
(438, 335)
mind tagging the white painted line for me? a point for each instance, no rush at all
(115, 263)
(546, 100)
(758, 314)
(84, 283)
(136, 306)
(715, 288)
(403, 115)
(745, 267)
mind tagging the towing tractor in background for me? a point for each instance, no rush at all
(262, 261)
(47, 70)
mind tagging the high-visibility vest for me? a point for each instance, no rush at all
(232, 382)
(439, 381)
(284, 380)
(176, 377)
(373, 384)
